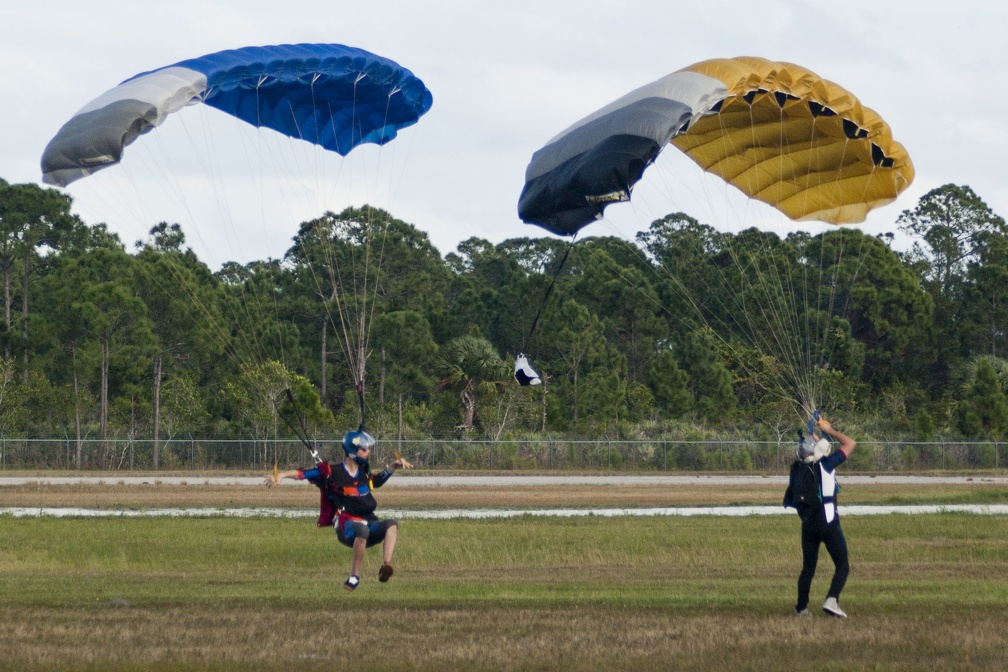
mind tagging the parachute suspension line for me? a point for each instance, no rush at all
(740, 313)
(301, 429)
(369, 323)
(808, 321)
(335, 277)
(792, 296)
(786, 324)
(273, 289)
(825, 296)
(324, 232)
(356, 315)
(841, 308)
(355, 322)
(357, 356)
(352, 293)
(821, 304)
(794, 284)
(674, 281)
(761, 302)
(155, 157)
(360, 398)
(370, 281)
(549, 290)
(368, 312)
(337, 295)
(760, 309)
(354, 312)
(249, 337)
(256, 297)
(718, 327)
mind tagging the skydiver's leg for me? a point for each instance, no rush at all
(355, 535)
(357, 558)
(388, 548)
(387, 531)
(810, 540)
(836, 546)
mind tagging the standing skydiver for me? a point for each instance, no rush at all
(347, 502)
(812, 491)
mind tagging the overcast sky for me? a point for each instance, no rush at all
(507, 76)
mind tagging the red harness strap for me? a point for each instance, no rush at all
(345, 517)
(327, 512)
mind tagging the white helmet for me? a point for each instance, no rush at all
(806, 447)
(810, 450)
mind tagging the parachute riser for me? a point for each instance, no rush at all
(360, 398)
(302, 431)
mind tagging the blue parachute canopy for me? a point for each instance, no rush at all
(331, 95)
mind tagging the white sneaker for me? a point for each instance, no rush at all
(831, 607)
(803, 612)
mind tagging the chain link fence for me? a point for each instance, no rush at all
(549, 454)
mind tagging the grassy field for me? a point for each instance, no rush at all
(925, 592)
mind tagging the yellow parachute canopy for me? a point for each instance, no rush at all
(801, 143)
(776, 131)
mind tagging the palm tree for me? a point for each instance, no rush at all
(472, 366)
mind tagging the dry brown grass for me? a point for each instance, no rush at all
(497, 638)
(541, 594)
(647, 494)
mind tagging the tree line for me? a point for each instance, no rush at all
(686, 330)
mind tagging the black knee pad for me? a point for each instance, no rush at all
(348, 533)
(358, 531)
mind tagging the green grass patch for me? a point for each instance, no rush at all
(925, 592)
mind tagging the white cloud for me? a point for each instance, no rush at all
(507, 76)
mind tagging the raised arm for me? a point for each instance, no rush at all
(847, 444)
(400, 463)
